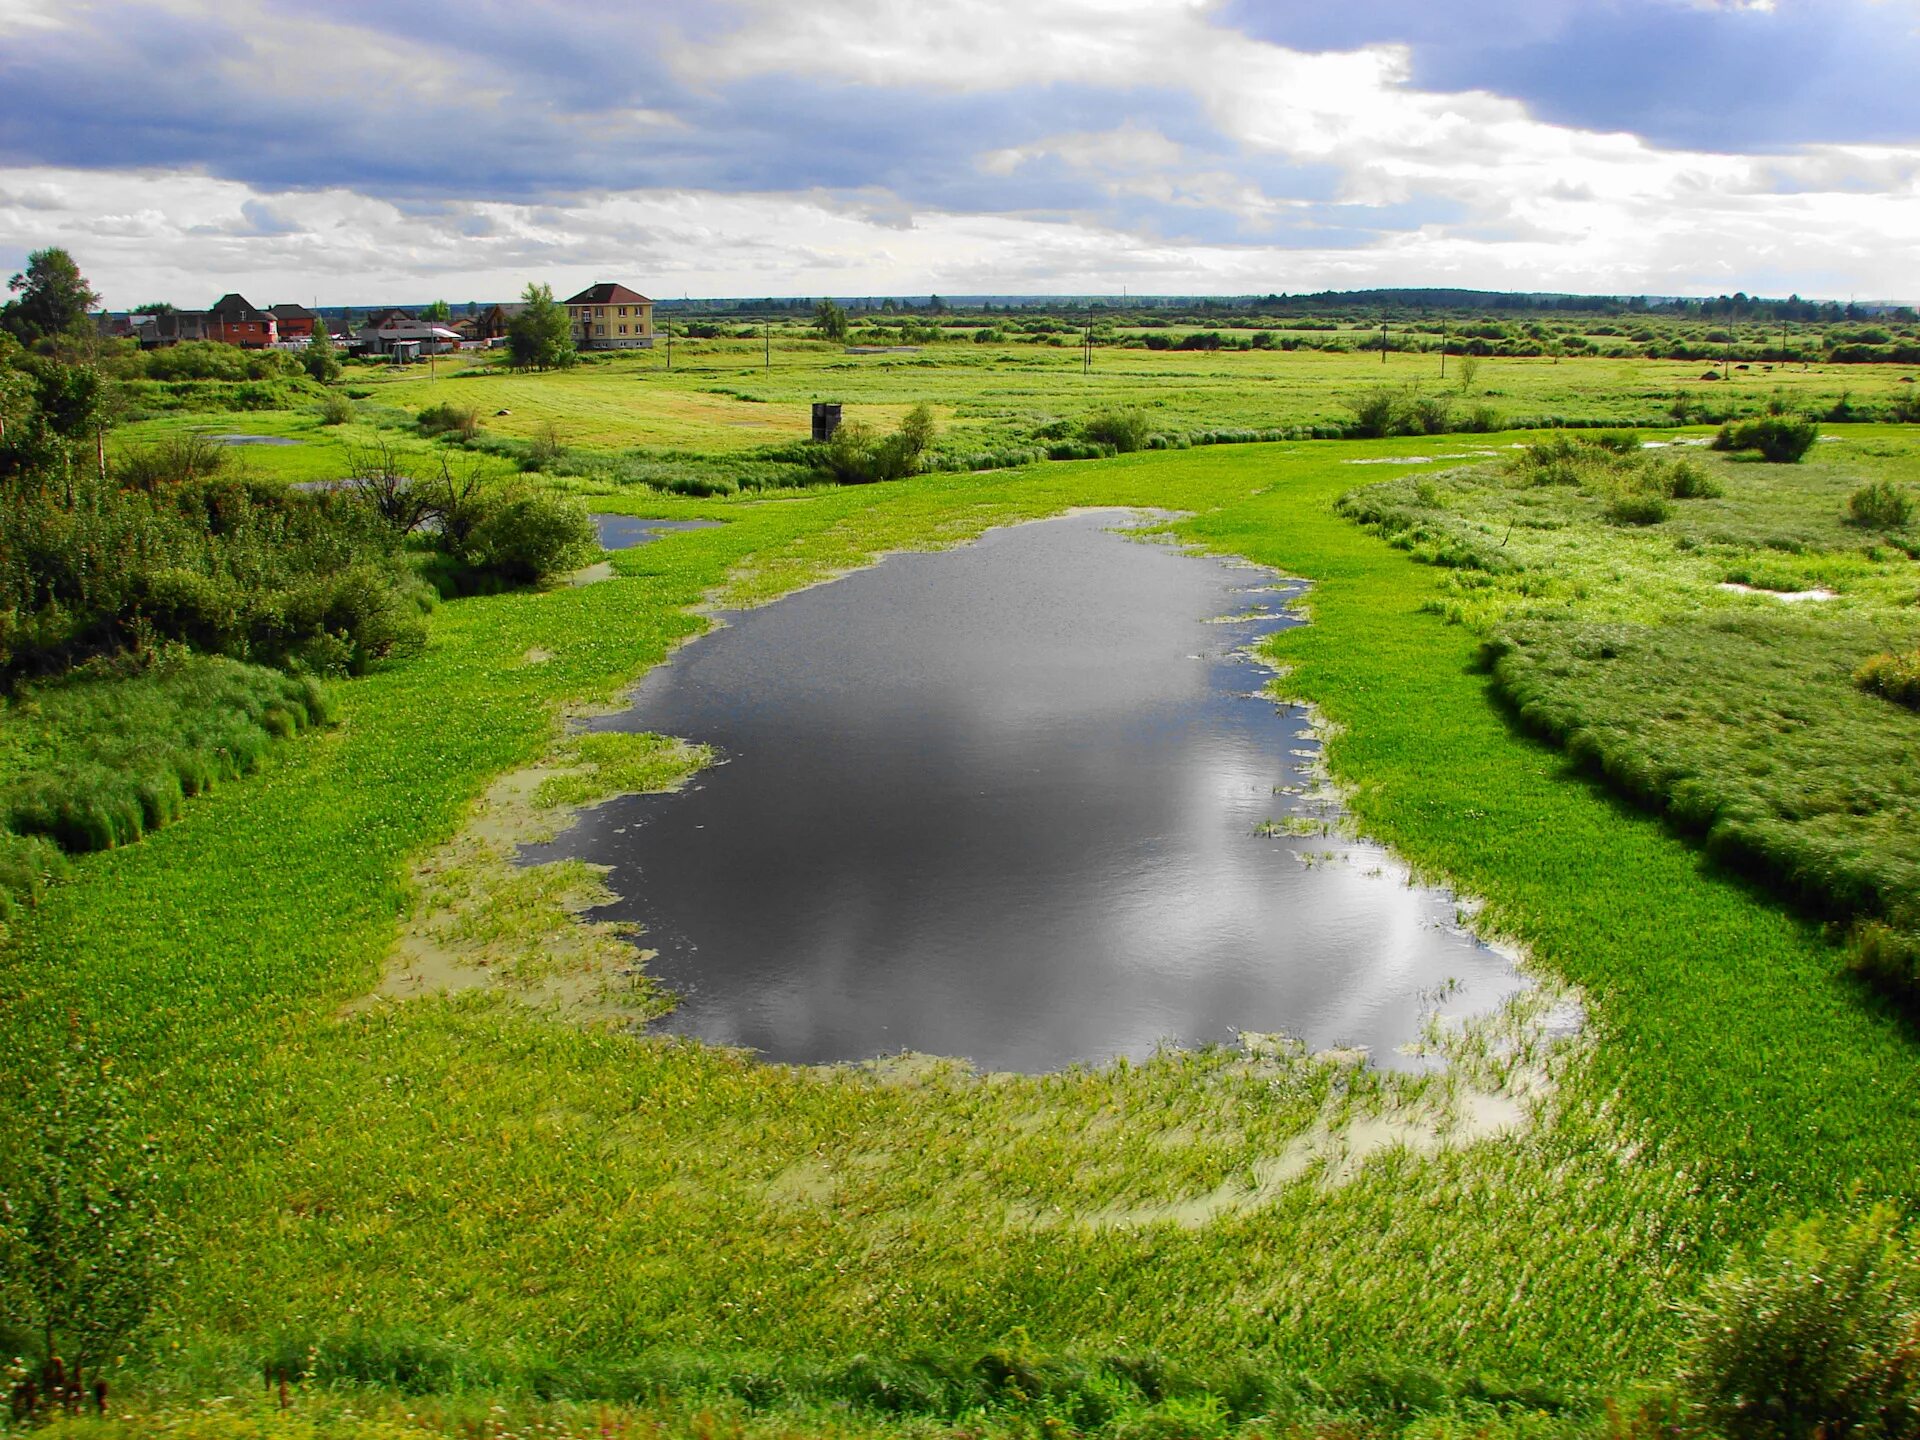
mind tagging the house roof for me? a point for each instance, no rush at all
(607, 294)
(292, 312)
(233, 307)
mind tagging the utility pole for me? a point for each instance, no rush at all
(766, 337)
(1383, 342)
(1443, 349)
(1086, 355)
(669, 345)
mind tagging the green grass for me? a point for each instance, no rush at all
(111, 752)
(718, 411)
(1733, 713)
(555, 1206)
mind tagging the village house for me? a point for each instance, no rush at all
(235, 322)
(610, 317)
(401, 336)
(296, 322)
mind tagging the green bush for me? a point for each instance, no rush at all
(1681, 479)
(521, 536)
(1636, 507)
(335, 409)
(1817, 1336)
(1125, 430)
(1780, 440)
(858, 455)
(460, 421)
(1880, 506)
(1895, 676)
(172, 460)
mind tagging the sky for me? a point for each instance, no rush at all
(367, 151)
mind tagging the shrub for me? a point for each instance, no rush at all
(172, 460)
(335, 409)
(522, 536)
(1897, 677)
(1819, 1335)
(1880, 506)
(858, 455)
(1637, 507)
(1780, 440)
(1681, 479)
(1123, 429)
(460, 421)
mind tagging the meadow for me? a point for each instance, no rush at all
(477, 1202)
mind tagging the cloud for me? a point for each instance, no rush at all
(1073, 139)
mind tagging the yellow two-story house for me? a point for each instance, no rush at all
(610, 317)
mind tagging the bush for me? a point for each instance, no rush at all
(1880, 506)
(1817, 1336)
(1888, 958)
(1780, 441)
(172, 460)
(520, 536)
(1897, 677)
(1635, 507)
(335, 409)
(858, 455)
(1124, 429)
(460, 421)
(1683, 480)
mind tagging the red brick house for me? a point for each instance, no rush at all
(235, 322)
(295, 322)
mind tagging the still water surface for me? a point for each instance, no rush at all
(1005, 802)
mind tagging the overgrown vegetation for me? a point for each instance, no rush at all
(1667, 666)
(1778, 439)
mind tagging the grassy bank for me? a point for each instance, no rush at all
(531, 1206)
(1701, 655)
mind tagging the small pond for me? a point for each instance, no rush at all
(1019, 802)
(623, 532)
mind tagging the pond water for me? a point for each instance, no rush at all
(624, 532)
(1015, 802)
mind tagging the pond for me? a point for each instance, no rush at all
(1020, 802)
(624, 532)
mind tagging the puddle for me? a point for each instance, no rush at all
(252, 440)
(624, 532)
(1015, 802)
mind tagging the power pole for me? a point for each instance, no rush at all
(1086, 356)
(1383, 342)
(1443, 349)
(766, 337)
(669, 345)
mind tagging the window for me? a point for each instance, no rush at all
(623, 329)
(599, 329)
(599, 312)
(623, 313)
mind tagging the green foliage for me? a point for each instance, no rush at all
(1894, 676)
(335, 409)
(830, 322)
(1882, 505)
(520, 536)
(1780, 440)
(439, 312)
(84, 1243)
(321, 360)
(53, 297)
(1816, 1336)
(461, 422)
(857, 455)
(1632, 507)
(1888, 957)
(211, 360)
(540, 337)
(110, 753)
(176, 459)
(1385, 411)
(1121, 429)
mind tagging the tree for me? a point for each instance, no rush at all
(154, 307)
(439, 312)
(830, 320)
(540, 337)
(54, 297)
(81, 1236)
(321, 360)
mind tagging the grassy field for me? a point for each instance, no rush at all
(464, 1192)
(719, 403)
(1702, 654)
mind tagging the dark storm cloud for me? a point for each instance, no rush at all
(1730, 78)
